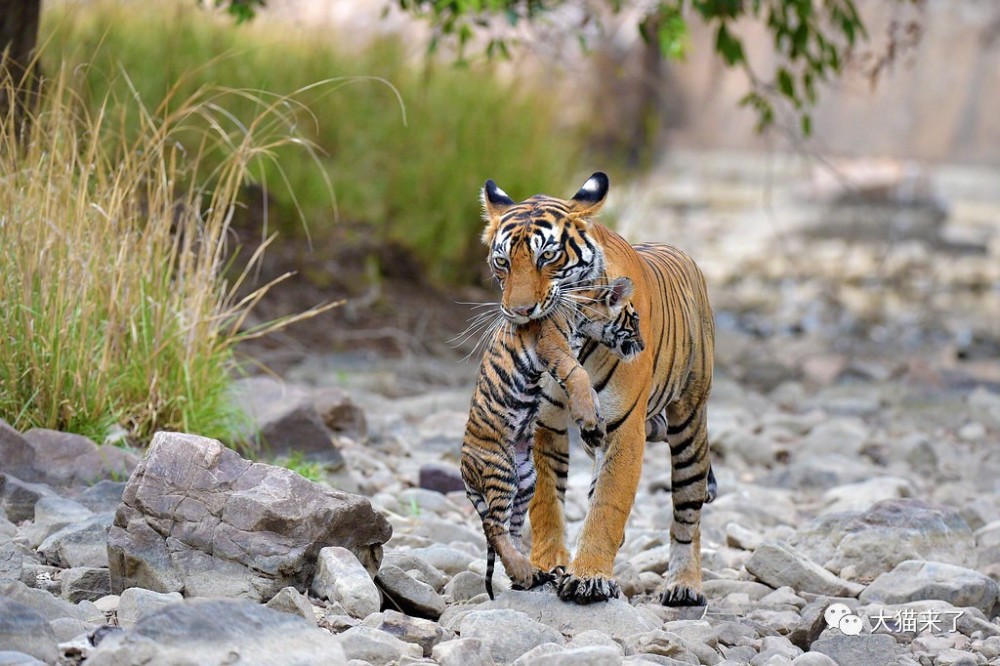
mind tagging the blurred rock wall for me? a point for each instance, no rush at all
(938, 101)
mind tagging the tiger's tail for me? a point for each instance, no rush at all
(491, 560)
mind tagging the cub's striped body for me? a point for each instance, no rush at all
(497, 464)
(671, 378)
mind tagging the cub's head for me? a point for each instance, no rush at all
(608, 317)
(539, 248)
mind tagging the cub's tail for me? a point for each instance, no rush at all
(491, 560)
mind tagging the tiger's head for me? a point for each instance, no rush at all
(539, 248)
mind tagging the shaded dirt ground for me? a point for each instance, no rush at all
(389, 310)
(870, 263)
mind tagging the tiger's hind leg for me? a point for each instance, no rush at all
(492, 488)
(656, 431)
(690, 471)
(525, 466)
(548, 522)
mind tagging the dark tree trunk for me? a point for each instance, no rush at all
(18, 36)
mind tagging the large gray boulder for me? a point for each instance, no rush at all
(58, 458)
(197, 518)
(861, 545)
(16, 453)
(219, 631)
(71, 459)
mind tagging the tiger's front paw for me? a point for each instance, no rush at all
(588, 590)
(682, 595)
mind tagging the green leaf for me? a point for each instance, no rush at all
(785, 83)
(807, 125)
(672, 37)
(808, 83)
(728, 46)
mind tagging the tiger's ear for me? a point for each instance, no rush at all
(618, 292)
(495, 204)
(590, 197)
(495, 201)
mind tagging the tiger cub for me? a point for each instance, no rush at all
(497, 464)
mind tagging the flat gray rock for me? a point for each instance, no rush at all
(871, 542)
(507, 634)
(290, 600)
(376, 646)
(18, 497)
(591, 655)
(90, 583)
(45, 604)
(341, 578)
(446, 559)
(778, 565)
(412, 596)
(22, 629)
(135, 603)
(81, 544)
(407, 561)
(53, 514)
(915, 580)
(13, 658)
(11, 561)
(424, 633)
(216, 631)
(103, 496)
(863, 650)
(615, 617)
(463, 652)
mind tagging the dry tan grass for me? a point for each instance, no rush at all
(114, 306)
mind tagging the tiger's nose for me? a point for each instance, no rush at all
(523, 311)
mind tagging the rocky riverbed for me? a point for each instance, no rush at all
(854, 425)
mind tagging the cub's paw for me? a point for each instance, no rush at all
(594, 437)
(557, 575)
(538, 579)
(682, 595)
(588, 590)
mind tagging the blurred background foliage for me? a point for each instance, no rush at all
(402, 145)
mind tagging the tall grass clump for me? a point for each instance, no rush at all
(412, 178)
(113, 244)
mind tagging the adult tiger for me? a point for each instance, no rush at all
(546, 247)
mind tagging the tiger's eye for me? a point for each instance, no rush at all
(548, 254)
